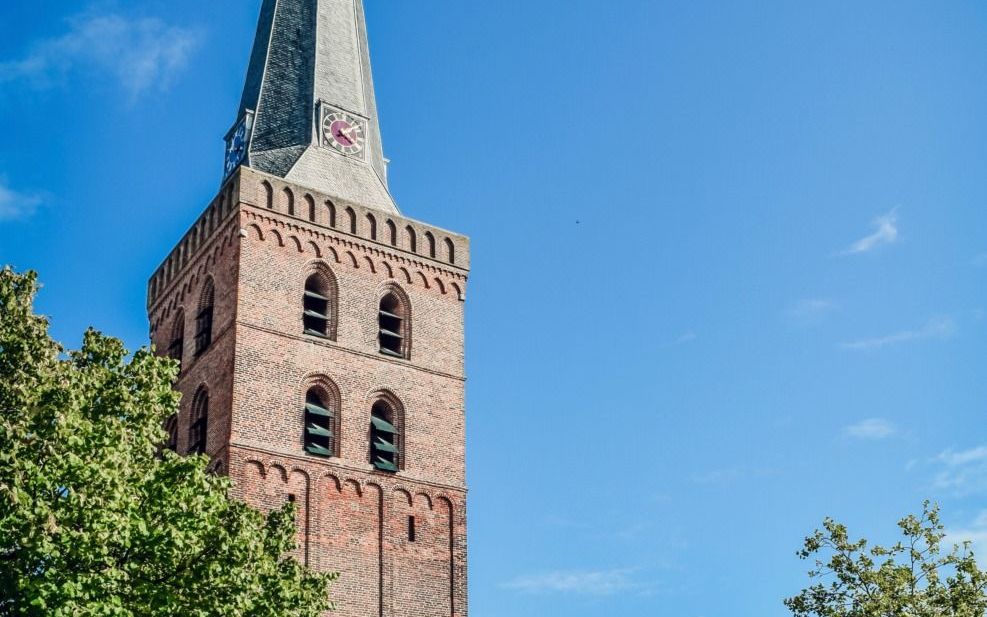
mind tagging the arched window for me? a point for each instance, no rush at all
(199, 423)
(311, 207)
(412, 238)
(319, 314)
(177, 346)
(392, 233)
(450, 251)
(372, 226)
(203, 320)
(171, 427)
(386, 440)
(395, 325)
(289, 201)
(430, 241)
(268, 195)
(351, 220)
(320, 424)
(331, 210)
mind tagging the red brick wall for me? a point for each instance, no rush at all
(352, 518)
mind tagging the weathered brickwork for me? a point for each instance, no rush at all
(257, 243)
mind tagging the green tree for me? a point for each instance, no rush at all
(96, 519)
(913, 578)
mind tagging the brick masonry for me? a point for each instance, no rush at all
(258, 242)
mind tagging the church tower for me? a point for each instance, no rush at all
(320, 331)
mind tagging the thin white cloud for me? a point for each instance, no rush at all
(141, 54)
(15, 205)
(974, 533)
(961, 472)
(687, 337)
(810, 311)
(872, 429)
(940, 328)
(732, 475)
(952, 458)
(587, 582)
(885, 232)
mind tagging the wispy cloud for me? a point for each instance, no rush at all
(731, 475)
(684, 339)
(585, 582)
(940, 328)
(15, 205)
(962, 472)
(974, 532)
(872, 429)
(811, 311)
(141, 54)
(885, 232)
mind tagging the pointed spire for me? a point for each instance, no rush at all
(308, 112)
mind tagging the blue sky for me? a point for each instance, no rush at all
(729, 258)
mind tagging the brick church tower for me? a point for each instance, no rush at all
(321, 332)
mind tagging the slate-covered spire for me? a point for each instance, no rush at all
(308, 112)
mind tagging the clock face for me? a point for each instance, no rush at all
(236, 149)
(344, 133)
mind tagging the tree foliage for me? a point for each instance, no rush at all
(96, 519)
(913, 578)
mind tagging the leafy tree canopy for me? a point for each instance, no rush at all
(913, 578)
(96, 519)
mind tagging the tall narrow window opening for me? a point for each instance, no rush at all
(203, 321)
(392, 233)
(430, 241)
(311, 207)
(317, 302)
(171, 427)
(385, 441)
(450, 251)
(177, 346)
(393, 326)
(372, 226)
(412, 531)
(320, 434)
(199, 423)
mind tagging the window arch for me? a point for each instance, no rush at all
(319, 304)
(430, 242)
(177, 346)
(450, 251)
(387, 434)
(204, 318)
(311, 207)
(372, 226)
(392, 233)
(394, 320)
(199, 423)
(268, 195)
(351, 220)
(321, 422)
(331, 210)
(171, 428)
(289, 201)
(412, 238)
